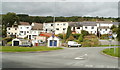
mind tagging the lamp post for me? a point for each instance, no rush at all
(114, 35)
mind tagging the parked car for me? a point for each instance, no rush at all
(72, 43)
(26, 45)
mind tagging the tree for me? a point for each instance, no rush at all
(114, 29)
(118, 33)
(10, 18)
(68, 32)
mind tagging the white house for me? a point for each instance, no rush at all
(37, 28)
(12, 31)
(58, 27)
(91, 28)
(24, 29)
(104, 27)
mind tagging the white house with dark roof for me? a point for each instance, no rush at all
(58, 27)
(104, 26)
(24, 29)
(37, 28)
(12, 31)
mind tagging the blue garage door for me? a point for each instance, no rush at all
(53, 42)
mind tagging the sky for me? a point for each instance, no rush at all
(62, 8)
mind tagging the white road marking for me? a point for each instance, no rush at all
(81, 57)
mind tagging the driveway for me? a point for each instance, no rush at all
(82, 57)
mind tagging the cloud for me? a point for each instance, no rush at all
(104, 9)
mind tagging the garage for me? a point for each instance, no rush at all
(16, 43)
(54, 41)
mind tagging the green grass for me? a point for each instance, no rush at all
(110, 51)
(26, 49)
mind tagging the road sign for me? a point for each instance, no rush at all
(110, 37)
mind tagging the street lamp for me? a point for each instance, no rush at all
(114, 35)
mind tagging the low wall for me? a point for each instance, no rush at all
(106, 42)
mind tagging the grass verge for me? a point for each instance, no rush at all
(107, 45)
(26, 49)
(110, 51)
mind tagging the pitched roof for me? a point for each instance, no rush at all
(24, 23)
(37, 26)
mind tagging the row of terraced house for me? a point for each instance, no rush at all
(36, 30)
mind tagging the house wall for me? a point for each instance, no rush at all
(34, 33)
(12, 30)
(58, 27)
(90, 29)
(24, 30)
(61, 27)
(104, 31)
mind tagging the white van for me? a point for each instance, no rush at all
(72, 43)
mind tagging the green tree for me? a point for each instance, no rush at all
(68, 32)
(114, 29)
(118, 32)
(10, 18)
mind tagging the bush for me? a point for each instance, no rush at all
(76, 36)
(80, 39)
(85, 33)
(104, 36)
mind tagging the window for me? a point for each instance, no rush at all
(85, 27)
(64, 28)
(51, 24)
(27, 31)
(20, 27)
(64, 24)
(15, 33)
(100, 29)
(21, 31)
(8, 28)
(15, 28)
(45, 29)
(51, 30)
(78, 27)
(27, 27)
(8, 32)
(105, 29)
(92, 27)
(57, 28)
(57, 24)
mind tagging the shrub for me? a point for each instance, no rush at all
(85, 33)
(80, 39)
(104, 36)
(76, 36)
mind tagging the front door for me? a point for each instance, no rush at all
(53, 42)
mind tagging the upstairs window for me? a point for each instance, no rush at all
(78, 27)
(85, 27)
(64, 28)
(105, 29)
(57, 28)
(51, 24)
(8, 28)
(15, 28)
(27, 27)
(64, 24)
(92, 27)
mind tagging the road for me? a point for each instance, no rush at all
(82, 57)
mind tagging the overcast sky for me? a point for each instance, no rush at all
(102, 9)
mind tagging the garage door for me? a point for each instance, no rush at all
(16, 43)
